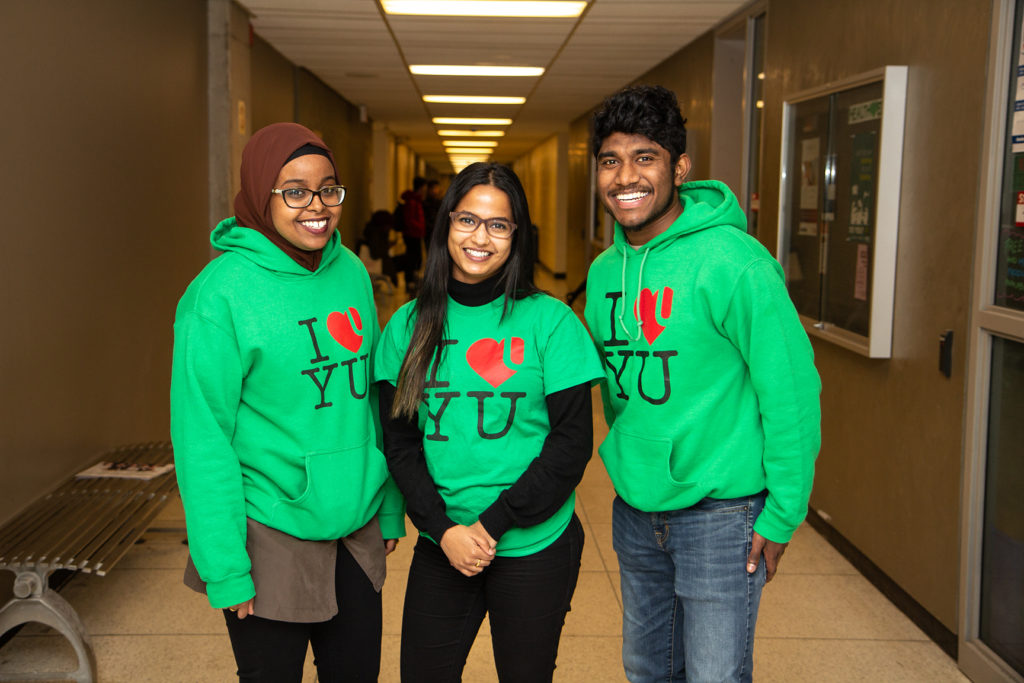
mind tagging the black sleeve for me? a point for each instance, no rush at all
(403, 448)
(546, 484)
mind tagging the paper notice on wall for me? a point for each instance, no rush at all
(1017, 132)
(809, 193)
(860, 285)
(807, 228)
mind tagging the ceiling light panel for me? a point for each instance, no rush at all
(452, 133)
(469, 143)
(468, 70)
(485, 8)
(472, 99)
(471, 121)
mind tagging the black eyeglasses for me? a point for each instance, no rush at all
(300, 197)
(464, 221)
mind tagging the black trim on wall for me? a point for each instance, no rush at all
(922, 618)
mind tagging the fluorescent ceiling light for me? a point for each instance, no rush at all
(469, 143)
(471, 133)
(472, 99)
(469, 150)
(463, 121)
(457, 70)
(485, 8)
(468, 157)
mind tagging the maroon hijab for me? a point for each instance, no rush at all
(266, 153)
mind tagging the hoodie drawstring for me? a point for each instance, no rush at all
(639, 284)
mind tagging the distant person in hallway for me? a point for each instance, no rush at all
(431, 205)
(414, 227)
(485, 403)
(289, 507)
(710, 393)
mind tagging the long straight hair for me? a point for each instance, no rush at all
(431, 308)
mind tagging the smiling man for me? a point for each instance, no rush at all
(710, 393)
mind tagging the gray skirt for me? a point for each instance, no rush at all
(294, 578)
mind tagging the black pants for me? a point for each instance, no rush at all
(526, 599)
(345, 648)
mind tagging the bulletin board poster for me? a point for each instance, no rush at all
(1017, 129)
(1010, 265)
(862, 184)
(810, 151)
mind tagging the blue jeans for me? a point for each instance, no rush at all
(689, 605)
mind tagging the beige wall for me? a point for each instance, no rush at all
(273, 97)
(545, 176)
(888, 475)
(689, 73)
(105, 151)
(283, 92)
(889, 471)
(323, 110)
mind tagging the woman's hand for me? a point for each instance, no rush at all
(469, 548)
(389, 546)
(244, 609)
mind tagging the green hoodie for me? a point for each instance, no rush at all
(716, 394)
(271, 415)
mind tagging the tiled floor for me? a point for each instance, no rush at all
(819, 619)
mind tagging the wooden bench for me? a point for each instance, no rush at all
(84, 525)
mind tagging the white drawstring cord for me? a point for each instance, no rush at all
(639, 283)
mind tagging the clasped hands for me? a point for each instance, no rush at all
(469, 549)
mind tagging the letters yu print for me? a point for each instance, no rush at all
(346, 329)
(647, 313)
(486, 357)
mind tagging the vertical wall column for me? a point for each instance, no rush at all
(228, 97)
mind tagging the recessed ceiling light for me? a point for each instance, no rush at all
(472, 99)
(472, 133)
(458, 151)
(464, 121)
(465, 70)
(469, 143)
(485, 8)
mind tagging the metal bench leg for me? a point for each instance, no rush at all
(34, 601)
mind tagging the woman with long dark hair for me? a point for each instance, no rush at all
(485, 403)
(287, 498)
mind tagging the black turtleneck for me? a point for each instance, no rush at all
(542, 488)
(476, 294)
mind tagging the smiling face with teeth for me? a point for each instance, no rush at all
(476, 255)
(310, 228)
(638, 182)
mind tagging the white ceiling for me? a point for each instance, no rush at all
(364, 54)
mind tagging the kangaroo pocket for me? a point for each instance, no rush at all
(641, 469)
(343, 490)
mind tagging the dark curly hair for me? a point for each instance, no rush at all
(648, 110)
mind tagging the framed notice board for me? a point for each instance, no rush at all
(842, 157)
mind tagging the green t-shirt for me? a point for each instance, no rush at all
(485, 417)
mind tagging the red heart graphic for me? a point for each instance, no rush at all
(646, 306)
(341, 329)
(486, 357)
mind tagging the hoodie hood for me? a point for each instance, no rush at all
(250, 243)
(706, 204)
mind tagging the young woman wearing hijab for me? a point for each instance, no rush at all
(273, 428)
(485, 401)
